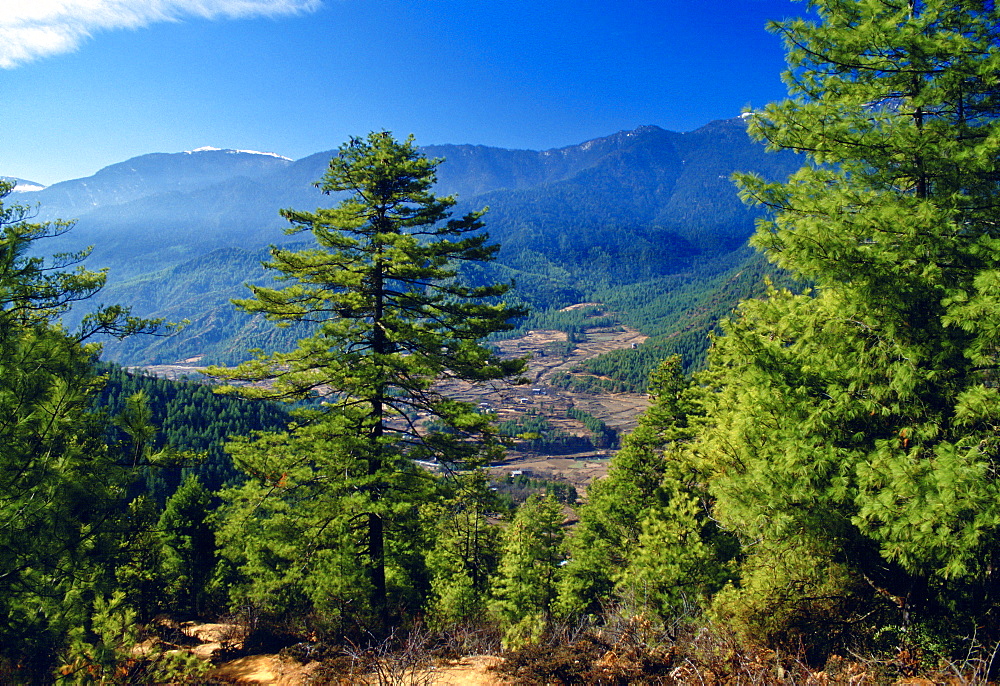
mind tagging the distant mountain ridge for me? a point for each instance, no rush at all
(152, 175)
(471, 170)
(617, 210)
(23, 185)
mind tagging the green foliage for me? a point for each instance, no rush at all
(860, 418)
(139, 572)
(188, 547)
(793, 594)
(525, 584)
(603, 436)
(386, 316)
(198, 291)
(189, 416)
(94, 652)
(466, 550)
(645, 538)
(536, 433)
(295, 530)
(105, 654)
(519, 487)
(679, 313)
(680, 559)
(61, 486)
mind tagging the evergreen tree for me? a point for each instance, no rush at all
(645, 539)
(139, 573)
(391, 319)
(61, 486)
(188, 546)
(466, 551)
(853, 428)
(526, 579)
(295, 532)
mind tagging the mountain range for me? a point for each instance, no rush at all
(181, 232)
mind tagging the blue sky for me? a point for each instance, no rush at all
(87, 83)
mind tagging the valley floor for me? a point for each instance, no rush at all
(620, 411)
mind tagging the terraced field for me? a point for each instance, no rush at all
(547, 354)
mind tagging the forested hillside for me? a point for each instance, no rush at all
(814, 500)
(653, 209)
(189, 417)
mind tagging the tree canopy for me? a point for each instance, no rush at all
(62, 486)
(391, 320)
(856, 423)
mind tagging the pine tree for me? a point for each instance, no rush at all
(526, 579)
(61, 486)
(139, 570)
(391, 320)
(645, 540)
(188, 546)
(856, 423)
(465, 552)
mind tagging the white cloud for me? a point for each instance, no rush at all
(30, 29)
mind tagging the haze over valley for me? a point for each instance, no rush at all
(182, 232)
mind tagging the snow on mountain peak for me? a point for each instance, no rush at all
(22, 186)
(209, 148)
(27, 187)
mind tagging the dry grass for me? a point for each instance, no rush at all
(636, 653)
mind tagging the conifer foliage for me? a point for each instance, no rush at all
(853, 429)
(61, 485)
(645, 540)
(391, 319)
(526, 578)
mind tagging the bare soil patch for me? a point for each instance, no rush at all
(265, 669)
(279, 670)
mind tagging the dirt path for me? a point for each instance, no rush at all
(271, 669)
(205, 640)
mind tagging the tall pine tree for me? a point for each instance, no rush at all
(853, 432)
(391, 319)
